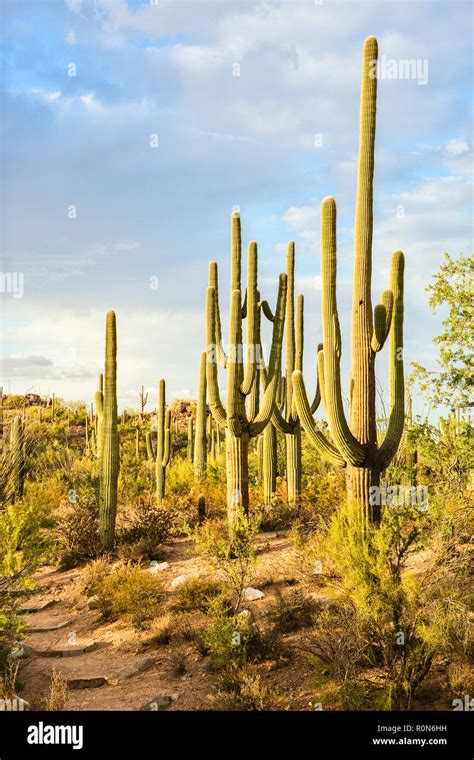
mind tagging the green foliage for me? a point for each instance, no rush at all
(231, 551)
(23, 547)
(452, 288)
(196, 594)
(130, 594)
(400, 618)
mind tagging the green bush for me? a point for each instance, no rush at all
(130, 594)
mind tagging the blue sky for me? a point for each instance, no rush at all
(224, 140)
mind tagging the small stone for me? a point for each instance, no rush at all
(158, 567)
(178, 581)
(20, 650)
(81, 605)
(252, 594)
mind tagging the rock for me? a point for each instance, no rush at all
(158, 567)
(252, 594)
(81, 605)
(89, 682)
(131, 670)
(67, 651)
(178, 581)
(20, 650)
(245, 613)
(37, 605)
(93, 602)
(160, 702)
(48, 627)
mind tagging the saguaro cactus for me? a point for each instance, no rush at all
(190, 446)
(99, 414)
(285, 416)
(109, 461)
(163, 443)
(241, 424)
(355, 444)
(17, 456)
(200, 442)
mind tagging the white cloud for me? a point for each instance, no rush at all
(71, 38)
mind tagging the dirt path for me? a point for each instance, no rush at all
(111, 667)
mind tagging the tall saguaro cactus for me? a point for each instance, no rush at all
(109, 460)
(200, 440)
(163, 443)
(241, 424)
(355, 444)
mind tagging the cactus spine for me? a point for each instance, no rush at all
(109, 460)
(200, 443)
(355, 445)
(163, 443)
(241, 424)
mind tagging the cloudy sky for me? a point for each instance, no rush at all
(131, 130)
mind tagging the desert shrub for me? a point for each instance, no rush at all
(45, 496)
(130, 594)
(242, 690)
(291, 611)
(402, 616)
(161, 629)
(58, 692)
(196, 594)
(177, 659)
(78, 529)
(232, 556)
(94, 575)
(145, 522)
(23, 547)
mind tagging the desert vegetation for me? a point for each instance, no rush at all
(246, 554)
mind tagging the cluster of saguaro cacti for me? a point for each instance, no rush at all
(109, 440)
(200, 441)
(163, 443)
(243, 381)
(355, 444)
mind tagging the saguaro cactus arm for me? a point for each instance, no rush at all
(350, 448)
(251, 315)
(319, 381)
(382, 320)
(319, 441)
(273, 374)
(215, 403)
(213, 282)
(397, 384)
